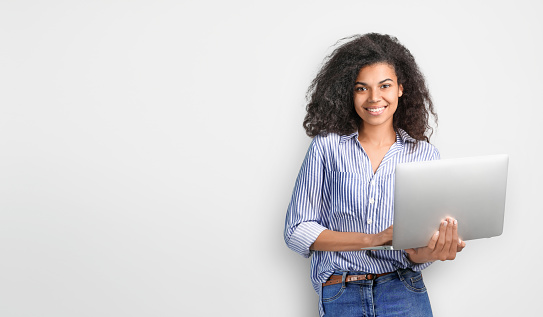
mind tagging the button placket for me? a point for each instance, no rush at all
(371, 203)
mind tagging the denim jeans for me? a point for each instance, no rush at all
(401, 293)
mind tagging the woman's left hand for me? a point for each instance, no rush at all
(443, 245)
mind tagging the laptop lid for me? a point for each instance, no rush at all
(471, 190)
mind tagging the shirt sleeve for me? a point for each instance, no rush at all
(435, 155)
(415, 266)
(303, 220)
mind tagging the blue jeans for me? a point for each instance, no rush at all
(401, 293)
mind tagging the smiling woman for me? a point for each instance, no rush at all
(331, 98)
(368, 110)
(375, 98)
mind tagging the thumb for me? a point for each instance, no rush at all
(410, 251)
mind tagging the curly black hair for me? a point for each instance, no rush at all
(330, 107)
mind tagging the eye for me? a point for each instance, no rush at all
(360, 88)
(385, 86)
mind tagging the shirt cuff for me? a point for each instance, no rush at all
(420, 266)
(304, 236)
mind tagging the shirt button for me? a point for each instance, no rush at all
(373, 182)
(371, 200)
(369, 222)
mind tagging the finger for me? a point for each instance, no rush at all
(433, 241)
(441, 238)
(446, 252)
(461, 245)
(454, 240)
(442, 252)
(449, 236)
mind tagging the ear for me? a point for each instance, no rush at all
(401, 90)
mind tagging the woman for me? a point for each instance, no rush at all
(368, 110)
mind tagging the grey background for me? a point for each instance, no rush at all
(149, 149)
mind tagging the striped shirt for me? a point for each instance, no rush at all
(336, 189)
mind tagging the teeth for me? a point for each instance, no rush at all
(375, 109)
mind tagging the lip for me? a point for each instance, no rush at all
(375, 113)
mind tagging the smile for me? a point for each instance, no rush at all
(376, 111)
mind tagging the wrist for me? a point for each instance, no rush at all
(366, 240)
(413, 258)
(374, 240)
(408, 256)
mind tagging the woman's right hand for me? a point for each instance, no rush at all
(384, 237)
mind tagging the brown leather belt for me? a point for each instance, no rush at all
(336, 279)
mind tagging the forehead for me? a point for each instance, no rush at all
(376, 72)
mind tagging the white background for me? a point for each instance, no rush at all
(148, 149)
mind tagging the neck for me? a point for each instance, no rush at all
(377, 135)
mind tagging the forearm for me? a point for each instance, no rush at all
(330, 240)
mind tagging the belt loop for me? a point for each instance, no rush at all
(399, 272)
(343, 278)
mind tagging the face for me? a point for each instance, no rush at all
(376, 94)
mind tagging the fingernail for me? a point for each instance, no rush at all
(444, 222)
(455, 221)
(459, 241)
(436, 234)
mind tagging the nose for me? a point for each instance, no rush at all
(375, 96)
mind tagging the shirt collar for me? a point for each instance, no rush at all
(404, 136)
(344, 138)
(401, 136)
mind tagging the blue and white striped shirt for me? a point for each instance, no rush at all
(336, 189)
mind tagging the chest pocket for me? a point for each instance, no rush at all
(348, 197)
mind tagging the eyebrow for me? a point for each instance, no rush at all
(382, 81)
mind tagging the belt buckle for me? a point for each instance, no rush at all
(370, 276)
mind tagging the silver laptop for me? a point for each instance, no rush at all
(471, 190)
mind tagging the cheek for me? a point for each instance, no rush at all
(359, 101)
(358, 107)
(392, 97)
